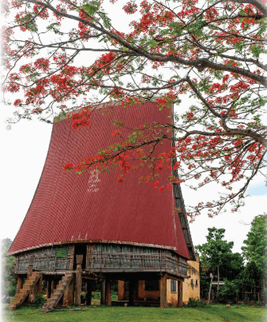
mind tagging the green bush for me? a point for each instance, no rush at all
(8, 280)
(39, 301)
(195, 303)
(96, 296)
(228, 291)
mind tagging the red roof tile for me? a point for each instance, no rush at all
(68, 207)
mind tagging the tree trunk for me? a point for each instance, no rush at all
(211, 279)
(218, 281)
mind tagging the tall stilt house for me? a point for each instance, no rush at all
(86, 229)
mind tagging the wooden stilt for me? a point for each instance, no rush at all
(163, 290)
(48, 288)
(53, 286)
(78, 279)
(30, 268)
(39, 285)
(103, 292)
(180, 293)
(108, 293)
(120, 290)
(132, 291)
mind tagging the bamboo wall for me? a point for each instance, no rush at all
(106, 258)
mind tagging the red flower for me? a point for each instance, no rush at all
(68, 166)
(116, 133)
(120, 178)
(156, 183)
(159, 167)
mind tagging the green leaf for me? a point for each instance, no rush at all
(174, 25)
(152, 43)
(164, 32)
(90, 9)
(256, 50)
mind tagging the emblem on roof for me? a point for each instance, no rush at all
(93, 181)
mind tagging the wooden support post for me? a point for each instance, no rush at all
(39, 285)
(141, 290)
(132, 291)
(120, 290)
(180, 293)
(19, 283)
(71, 258)
(30, 266)
(29, 271)
(108, 293)
(53, 286)
(78, 279)
(103, 292)
(163, 290)
(48, 288)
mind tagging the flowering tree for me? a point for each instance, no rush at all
(203, 57)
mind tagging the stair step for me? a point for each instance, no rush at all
(57, 294)
(23, 293)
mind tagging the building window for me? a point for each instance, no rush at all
(152, 285)
(196, 283)
(192, 283)
(173, 286)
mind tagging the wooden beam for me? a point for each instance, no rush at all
(132, 290)
(103, 292)
(78, 279)
(163, 290)
(108, 292)
(121, 289)
(180, 293)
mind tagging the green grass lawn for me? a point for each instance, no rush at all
(212, 313)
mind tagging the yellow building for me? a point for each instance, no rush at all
(190, 286)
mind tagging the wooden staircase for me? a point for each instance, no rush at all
(25, 290)
(58, 293)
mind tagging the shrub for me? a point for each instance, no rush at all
(228, 291)
(39, 301)
(195, 303)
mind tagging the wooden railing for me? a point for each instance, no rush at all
(104, 261)
(42, 260)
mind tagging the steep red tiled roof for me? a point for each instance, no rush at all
(68, 207)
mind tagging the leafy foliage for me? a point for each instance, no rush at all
(217, 258)
(255, 249)
(255, 252)
(204, 57)
(238, 277)
(229, 291)
(217, 251)
(195, 303)
(8, 281)
(39, 301)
